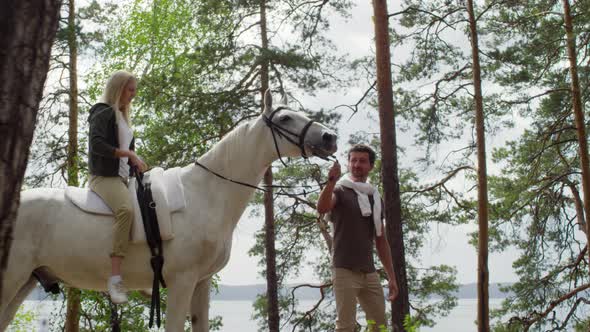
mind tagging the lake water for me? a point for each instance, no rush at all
(237, 315)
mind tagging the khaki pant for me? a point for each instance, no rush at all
(113, 191)
(350, 286)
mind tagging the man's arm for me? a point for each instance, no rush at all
(327, 199)
(384, 252)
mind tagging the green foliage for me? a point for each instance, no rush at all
(533, 199)
(536, 194)
(23, 321)
(47, 163)
(411, 324)
(371, 327)
(583, 325)
(535, 212)
(508, 327)
(433, 91)
(194, 79)
(260, 306)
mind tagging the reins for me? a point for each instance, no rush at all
(257, 187)
(228, 179)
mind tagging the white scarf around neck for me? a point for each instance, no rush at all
(363, 190)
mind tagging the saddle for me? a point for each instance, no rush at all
(167, 192)
(155, 195)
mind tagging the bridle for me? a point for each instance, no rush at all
(277, 130)
(285, 133)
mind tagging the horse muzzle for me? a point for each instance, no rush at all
(328, 145)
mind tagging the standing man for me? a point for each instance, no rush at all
(355, 210)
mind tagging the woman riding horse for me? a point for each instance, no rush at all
(110, 153)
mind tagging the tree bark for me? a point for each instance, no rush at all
(73, 294)
(271, 269)
(578, 113)
(483, 315)
(269, 220)
(73, 116)
(400, 307)
(27, 30)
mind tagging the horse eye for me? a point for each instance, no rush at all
(285, 118)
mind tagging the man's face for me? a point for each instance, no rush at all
(359, 165)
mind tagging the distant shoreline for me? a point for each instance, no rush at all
(249, 292)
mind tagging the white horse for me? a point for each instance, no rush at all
(59, 242)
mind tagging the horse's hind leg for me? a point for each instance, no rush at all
(10, 309)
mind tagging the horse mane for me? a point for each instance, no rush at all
(230, 147)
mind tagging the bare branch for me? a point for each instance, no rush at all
(315, 307)
(444, 180)
(536, 316)
(354, 108)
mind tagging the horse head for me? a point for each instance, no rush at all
(294, 134)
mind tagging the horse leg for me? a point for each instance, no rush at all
(200, 306)
(15, 277)
(10, 309)
(179, 299)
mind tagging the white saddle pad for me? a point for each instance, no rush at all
(88, 201)
(167, 192)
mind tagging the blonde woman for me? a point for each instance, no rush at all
(110, 154)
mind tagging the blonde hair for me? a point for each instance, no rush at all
(113, 90)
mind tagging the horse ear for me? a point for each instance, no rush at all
(267, 101)
(284, 100)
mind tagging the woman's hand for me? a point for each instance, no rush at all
(134, 159)
(137, 162)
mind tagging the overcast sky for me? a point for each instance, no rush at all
(444, 245)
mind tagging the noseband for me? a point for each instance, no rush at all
(285, 133)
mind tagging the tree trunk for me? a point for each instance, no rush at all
(483, 315)
(269, 222)
(27, 30)
(578, 113)
(73, 294)
(271, 269)
(73, 116)
(400, 307)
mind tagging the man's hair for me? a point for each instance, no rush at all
(363, 148)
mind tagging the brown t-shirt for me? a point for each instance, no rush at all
(353, 233)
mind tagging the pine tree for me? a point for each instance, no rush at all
(27, 31)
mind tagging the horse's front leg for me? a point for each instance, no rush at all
(200, 306)
(179, 298)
